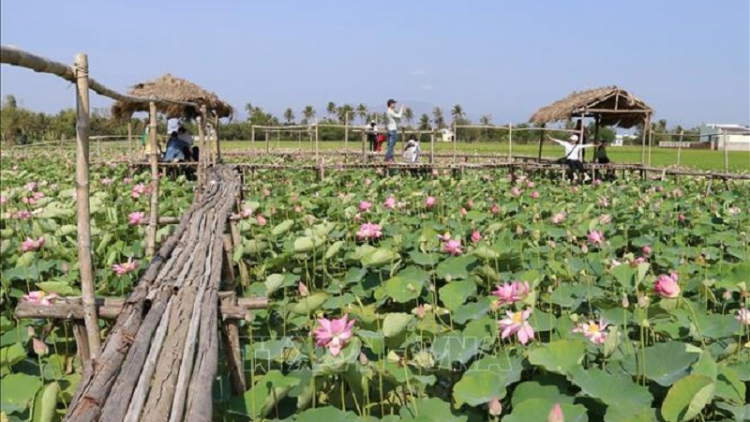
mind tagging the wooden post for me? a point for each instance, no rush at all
(299, 138)
(510, 142)
(726, 150)
(646, 130)
(679, 148)
(317, 137)
(82, 199)
(650, 138)
(268, 141)
(202, 142)
(230, 328)
(432, 146)
(455, 141)
(346, 131)
(154, 159)
(217, 158)
(364, 146)
(252, 135)
(541, 140)
(130, 141)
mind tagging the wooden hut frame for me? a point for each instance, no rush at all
(609, 106)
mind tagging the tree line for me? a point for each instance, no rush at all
(18, 124)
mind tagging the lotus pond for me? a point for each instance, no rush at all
(433, 297)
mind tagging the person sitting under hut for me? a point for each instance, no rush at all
(412, 150)
(372, 135)
(572, 153)
(176, 149)
(192, 152)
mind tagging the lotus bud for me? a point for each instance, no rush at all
(363, 359)
(495, 407)
(625, 302)
(556, 414)
(303, 290)
(30, 330)
(40, 348)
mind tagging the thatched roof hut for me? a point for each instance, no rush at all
(169, 87)
(612, 106)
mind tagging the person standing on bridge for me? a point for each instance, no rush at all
(393, 119)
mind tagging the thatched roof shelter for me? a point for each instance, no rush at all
(169, 87)
(612, 106)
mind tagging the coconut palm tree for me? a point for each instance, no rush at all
(308, 113)
(457, 112)
(289, 116)
(424, 122)
(249, 110)
(486, 120)
(438, 118)
(343, 111)
(408, 115)
(362, 112)
(331, 109)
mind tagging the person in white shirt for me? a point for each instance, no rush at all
(412, 151)
(573, 152)
(393, 119)
(372, 135)
(191, 151)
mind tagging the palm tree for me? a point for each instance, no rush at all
(289, 115)
(424, 122)
(308, 113)
(343, 111)
(331, 108)
(458, 114)
(362, 112)
(249, 109)
(437, 117)
(486, 120)
(408, 115)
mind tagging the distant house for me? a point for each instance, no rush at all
(621, 139)
(445, 135)
(736, 137)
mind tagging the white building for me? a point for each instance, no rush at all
(736, 137)
(445, 135)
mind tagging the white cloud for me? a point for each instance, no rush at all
(418, 72)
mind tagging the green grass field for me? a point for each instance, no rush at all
(660, 157)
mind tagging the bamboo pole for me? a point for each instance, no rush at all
(217, 158)
(317, 137)
(130, 141)
(432, 146)
(154, 160)
(364, 146)
(646, 130)
(455, 141)
(650, 140)
(252, 135)
(679, 148)
(299, 139)
(510, 142)
(268, 143)
(726, 151)
(541, 140)
(82, 200)
(346, 130)
(202, 143)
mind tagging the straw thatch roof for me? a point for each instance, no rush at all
(615, 106)
(172, 88)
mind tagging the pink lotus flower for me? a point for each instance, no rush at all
(31, 186)
(667, 286)
(453, 247)
(266, 192)
(463, 212)
(23, 215)
(681, 218)
(39, 297)
(302, 289)
(31, 245)
(125, 267)
(596, 237)
(3, 200)
(743, 316)
(127, 180)
(593, 331)
(435, 173)
(530, 184)
(470, 204)
(368, 182)
(535, 195)
(558, 218)
(135, 218)
(575, 189)
(476, 236)
(647, 250)
(261, 220)
(605, 219)
(556, 414)
(246, 212)
(138, 190)
(510, 293)
(597, 182)
(495, 209)
(495, 408)
(107, 181)
(516, 323)
(365, 206)
(515, 192)
(369, 231)
(333, 334)
(390, 203)
(430, 201)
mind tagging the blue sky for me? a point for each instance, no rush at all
(689, 59)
